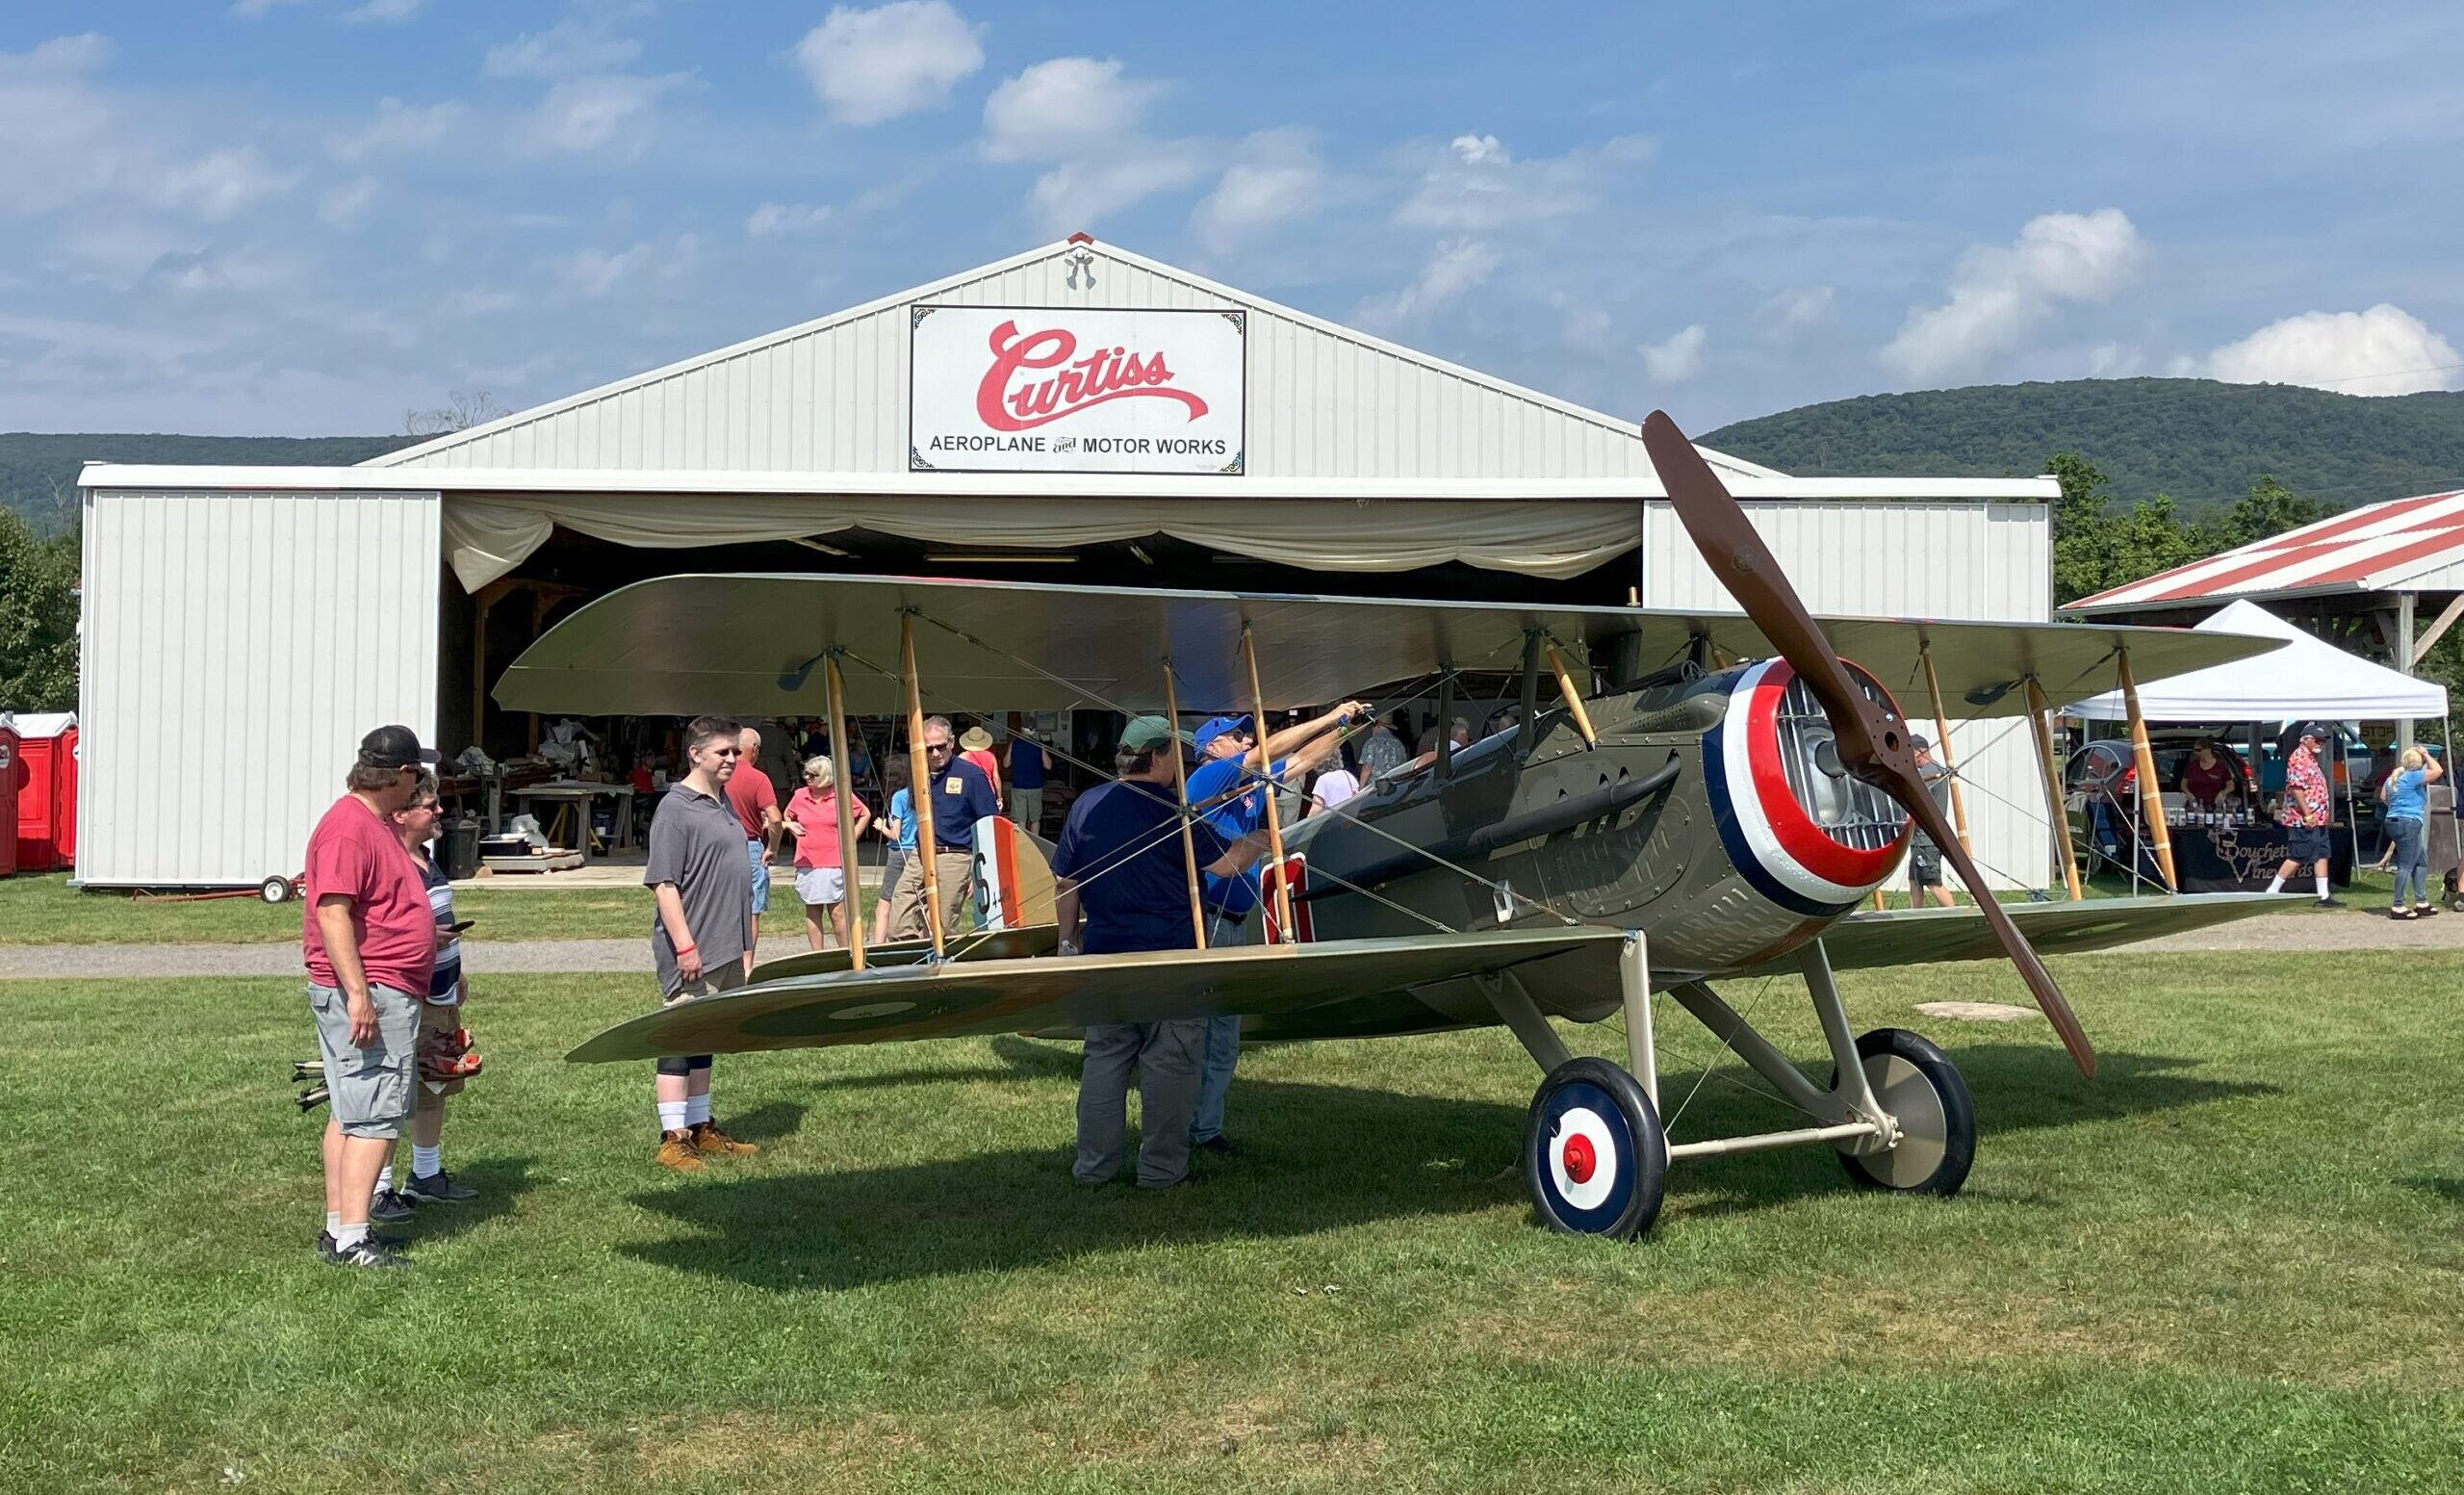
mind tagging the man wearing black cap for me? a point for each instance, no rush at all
(2305, 812)
(1119, 863)
(1230, 756)
(369, 939)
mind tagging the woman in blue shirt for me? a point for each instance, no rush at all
(2407, 796)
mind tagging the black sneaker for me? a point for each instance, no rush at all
(439, 1188)
(392, 1207)
(1219, 1143)
(325, 1243)
(368, 1253)
(2330, 903)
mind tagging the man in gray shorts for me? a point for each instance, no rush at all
(368, 940)
(702, 882)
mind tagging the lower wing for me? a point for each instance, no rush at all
(1915, 937)
(1346, 987)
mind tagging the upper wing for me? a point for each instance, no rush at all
(1915, 937)
(957, 999)
(685, 644)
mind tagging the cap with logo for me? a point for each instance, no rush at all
(395, 747)
(1217, 727)
(1150, 731)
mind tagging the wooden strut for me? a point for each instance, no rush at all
(846, 808)
(2151, 794)
(1266, 766)
(1573, 697)
(1943, 749)
(2055, 803)
(1181, 798)
(919, 773)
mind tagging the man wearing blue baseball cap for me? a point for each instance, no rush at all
(1229, 791)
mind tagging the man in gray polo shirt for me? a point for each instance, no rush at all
(703, 885)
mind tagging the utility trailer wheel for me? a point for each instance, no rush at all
(1594, 1157)
(1921, 1088)
(276, 889)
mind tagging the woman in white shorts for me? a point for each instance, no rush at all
(812, 823)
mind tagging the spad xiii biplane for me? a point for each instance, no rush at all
(1685, 798)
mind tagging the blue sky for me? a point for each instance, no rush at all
(305, 217)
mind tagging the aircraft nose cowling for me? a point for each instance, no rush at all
(1801, 829)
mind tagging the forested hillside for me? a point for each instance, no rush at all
(2200, 441)
(38, 474)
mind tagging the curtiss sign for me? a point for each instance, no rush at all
(1037, 389)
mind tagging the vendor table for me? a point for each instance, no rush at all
(568, 793)
(2244, 858)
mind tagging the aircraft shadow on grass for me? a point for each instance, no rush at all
(1315, 1157)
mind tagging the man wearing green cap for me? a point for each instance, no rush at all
(1119, 864)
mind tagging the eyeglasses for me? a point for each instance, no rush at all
(936, 747)
(728, 751)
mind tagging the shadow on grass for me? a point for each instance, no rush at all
(2451, 1189)
(500, 1180)
(779, 1119)
(1314, 1158)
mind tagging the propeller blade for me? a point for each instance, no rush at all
(1872, 743)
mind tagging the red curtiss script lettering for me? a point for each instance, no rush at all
(1107, 374)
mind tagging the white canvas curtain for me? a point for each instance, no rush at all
(488, 537)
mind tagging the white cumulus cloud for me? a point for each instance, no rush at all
(592, 273)
(586, 42)
(379, 12)
(1066, 108)
(1476, 184)
(1254, 197)
(1454, 267)
(877, 64)
(1678, 360)
(615, 114)
(772, 219)
(346, 205)
(1799, 310)
(1077, 194)
(397, 129)
(2384, 350)
(2002, 291)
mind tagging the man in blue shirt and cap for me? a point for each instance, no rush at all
(1229, 790)
(1119, 864)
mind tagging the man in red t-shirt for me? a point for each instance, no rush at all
(755, 799)
(368, 940)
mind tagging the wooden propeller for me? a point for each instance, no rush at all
(1872, 743)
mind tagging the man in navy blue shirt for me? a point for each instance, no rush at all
(960, 797)
(1119, 864)
(1230, 756)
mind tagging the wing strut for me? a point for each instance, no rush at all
(2057, 806)
(846, 776)
(1274, 814)
(919, 775)
(1181, 797)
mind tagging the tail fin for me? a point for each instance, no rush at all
(1012, 876)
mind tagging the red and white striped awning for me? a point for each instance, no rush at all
(2396, 546)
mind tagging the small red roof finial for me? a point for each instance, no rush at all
(1082, 237)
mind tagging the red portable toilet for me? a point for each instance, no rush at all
(9, 774)
(46, 819)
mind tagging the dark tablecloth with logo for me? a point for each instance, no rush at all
(2244, 858)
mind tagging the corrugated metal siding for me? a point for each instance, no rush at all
(833, 398)
(1991, 561)
(236, 645)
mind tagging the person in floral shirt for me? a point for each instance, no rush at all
(2304, 813)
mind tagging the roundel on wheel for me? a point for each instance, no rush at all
(1587, 1156)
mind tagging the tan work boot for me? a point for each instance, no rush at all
(707, 1138)
(676, 1150)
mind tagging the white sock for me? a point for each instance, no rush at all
(2322, 886)
(671, 1116)
(697, 1109)
(347, 1236)
(333, 1220)
(2278, 885)
(426, 1162)
(385, 1179)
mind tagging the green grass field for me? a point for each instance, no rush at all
(2232, 1263)
(47, 911)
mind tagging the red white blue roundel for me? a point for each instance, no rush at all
(1772, 835)
(1586, 1158)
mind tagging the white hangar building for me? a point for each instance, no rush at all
(925, 433)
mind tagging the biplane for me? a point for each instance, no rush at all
(1683, 799)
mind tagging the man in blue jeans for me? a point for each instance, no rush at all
(1233, 768)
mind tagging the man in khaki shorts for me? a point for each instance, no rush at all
(370, 945)
(702, 882)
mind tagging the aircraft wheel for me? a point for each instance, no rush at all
(1921, 1088)
(1594, 1156)
(276, 889)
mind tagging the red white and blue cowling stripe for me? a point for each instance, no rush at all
(1771, 839)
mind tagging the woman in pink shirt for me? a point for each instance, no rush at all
(812, 823)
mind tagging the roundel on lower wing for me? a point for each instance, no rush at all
(832, 1013)
(1810, 840)
(1589, 1157)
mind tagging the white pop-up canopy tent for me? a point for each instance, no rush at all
(2309, 676)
